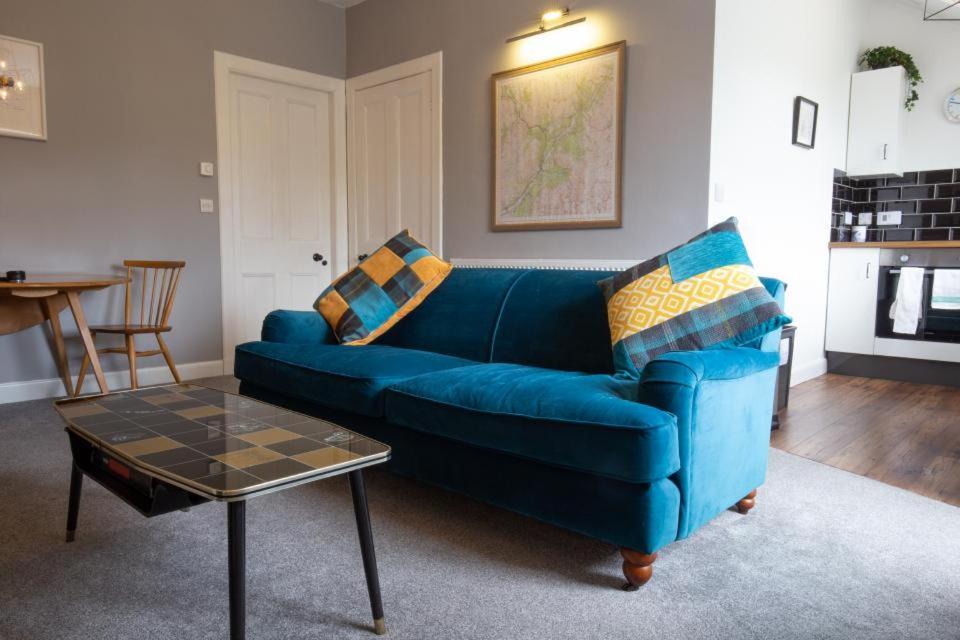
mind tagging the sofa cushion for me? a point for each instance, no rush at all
(366, 301)
(586, 422)
(338, 376)
(459, 317)
(557, 319)
(701, 294)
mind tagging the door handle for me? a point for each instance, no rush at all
(867, 274)
(319, 258)
(362, 257)
(884, 150)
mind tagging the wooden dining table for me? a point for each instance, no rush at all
(41, 298)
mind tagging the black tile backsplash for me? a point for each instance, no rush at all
(929, 200)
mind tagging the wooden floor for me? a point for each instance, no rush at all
(907, 435)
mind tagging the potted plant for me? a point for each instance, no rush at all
(885, 57)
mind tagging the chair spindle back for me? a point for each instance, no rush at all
(158, 287)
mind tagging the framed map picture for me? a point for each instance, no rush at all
(22, 95)
(557, 138)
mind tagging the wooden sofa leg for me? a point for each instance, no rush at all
(637, 568)
(748, 502)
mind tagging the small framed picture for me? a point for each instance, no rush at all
(805, 122)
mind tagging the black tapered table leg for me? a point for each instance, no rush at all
(73, 509)
(366, 548)
(236, 539)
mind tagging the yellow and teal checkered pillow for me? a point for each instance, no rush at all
(702, 294)
(373, 296)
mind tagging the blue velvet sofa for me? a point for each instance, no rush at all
(501, 386)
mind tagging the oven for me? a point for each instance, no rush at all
(935, 325)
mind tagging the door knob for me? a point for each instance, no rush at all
(362, 257)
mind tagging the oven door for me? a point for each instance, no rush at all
(935, 325)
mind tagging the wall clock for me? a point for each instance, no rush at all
(951, 106)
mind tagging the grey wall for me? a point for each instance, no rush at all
(130, 107)
(668, 113)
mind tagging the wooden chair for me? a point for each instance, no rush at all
(158, 288)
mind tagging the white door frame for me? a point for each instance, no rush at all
(225, 64)
(432, 62)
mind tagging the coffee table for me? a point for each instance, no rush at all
(169, 448)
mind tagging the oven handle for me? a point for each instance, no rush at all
(926, 272)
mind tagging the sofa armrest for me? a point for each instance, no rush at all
(723, 401)
(296, 327)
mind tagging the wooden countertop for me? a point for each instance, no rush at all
(927, 244)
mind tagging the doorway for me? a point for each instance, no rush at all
(283, 200)
(395, 165)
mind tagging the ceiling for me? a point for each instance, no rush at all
(343, 4)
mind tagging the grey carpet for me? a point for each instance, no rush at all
(825, 554)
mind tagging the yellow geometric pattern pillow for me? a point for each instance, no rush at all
(656, 298)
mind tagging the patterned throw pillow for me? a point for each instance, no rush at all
(701, 294)
(373, 296)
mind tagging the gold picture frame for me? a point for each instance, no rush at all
(557, 142)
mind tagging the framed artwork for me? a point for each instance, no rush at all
(23, 112)
(805, 122)
(557, 142)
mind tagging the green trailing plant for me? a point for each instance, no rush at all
(885, 57)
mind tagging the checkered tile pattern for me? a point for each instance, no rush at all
(215, 442)
(369, 299)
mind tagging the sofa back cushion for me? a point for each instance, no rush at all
(459, 317)
(555, 319)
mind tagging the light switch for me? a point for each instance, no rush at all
(719, 192)
(889, 217)
(865, 218)
(848, 217)
(206, 168)
(206, 205)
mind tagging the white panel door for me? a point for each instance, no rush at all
(281, 192)
(394, 156)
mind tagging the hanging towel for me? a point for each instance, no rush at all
(905, 310)
(946, 289)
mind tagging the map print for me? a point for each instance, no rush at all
(557, 144)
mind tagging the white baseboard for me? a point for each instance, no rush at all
(53, 387)
(803, 371)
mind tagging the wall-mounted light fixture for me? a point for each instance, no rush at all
(548, 22)
(10, 80)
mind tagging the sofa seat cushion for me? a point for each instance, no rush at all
(580, 421)
(352, 378)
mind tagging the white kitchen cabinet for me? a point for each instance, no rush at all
(852, 300)
(877, 122)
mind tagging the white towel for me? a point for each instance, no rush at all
(905, 310)
(946, 289)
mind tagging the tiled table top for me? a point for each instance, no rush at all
(217, 444)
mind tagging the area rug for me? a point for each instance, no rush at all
(825, 554)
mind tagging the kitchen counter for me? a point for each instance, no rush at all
(925, 244)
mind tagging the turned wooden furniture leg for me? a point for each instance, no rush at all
(59, 351)
(73, 299)
(168, 358)
(637, 568)
(132, 359)
(748, 502)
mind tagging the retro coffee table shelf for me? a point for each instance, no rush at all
(163, 449)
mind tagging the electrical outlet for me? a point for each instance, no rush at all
(206, 168)
(206, 205)
(889, 217)
(865, 218)
(848, 217)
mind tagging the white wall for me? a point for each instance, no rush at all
(766, 53)
(932, 141)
